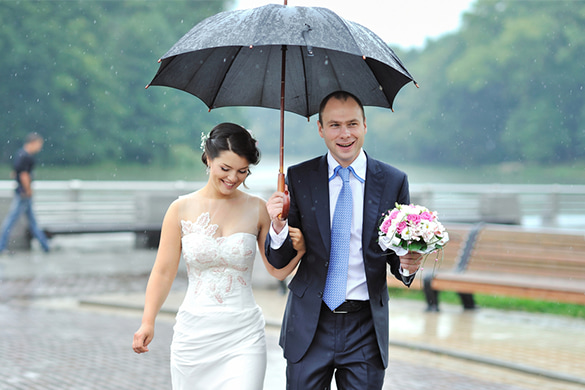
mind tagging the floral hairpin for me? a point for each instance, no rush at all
(204, 138)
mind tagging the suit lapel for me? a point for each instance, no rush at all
(320, 196)
(373, 193)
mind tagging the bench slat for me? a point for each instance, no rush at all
(545, 290)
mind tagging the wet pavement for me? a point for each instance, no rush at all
(67, 320)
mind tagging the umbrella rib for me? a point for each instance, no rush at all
(264, 80)
(306, 83)
(225, 75)
(390, 102)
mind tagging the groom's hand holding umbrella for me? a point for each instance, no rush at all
(275, 206)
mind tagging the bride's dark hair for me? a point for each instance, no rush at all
(230, 137)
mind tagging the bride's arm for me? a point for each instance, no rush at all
(298, 244)
(161, 277)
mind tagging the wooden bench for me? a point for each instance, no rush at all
(515, 261)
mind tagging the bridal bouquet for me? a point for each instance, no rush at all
(411, 228)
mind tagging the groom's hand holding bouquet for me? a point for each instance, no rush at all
(412, 232)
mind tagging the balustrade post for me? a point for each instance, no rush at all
(550, 213)
(75, 187)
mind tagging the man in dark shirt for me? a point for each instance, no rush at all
(22, 202)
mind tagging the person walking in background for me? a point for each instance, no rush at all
(218, 341)
(22, 203)
(336, 319)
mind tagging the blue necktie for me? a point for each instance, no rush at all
(336, 284)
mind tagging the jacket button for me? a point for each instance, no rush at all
(320, 294)
(326, 264)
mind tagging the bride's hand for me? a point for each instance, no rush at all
(142, 338)
(298, 240)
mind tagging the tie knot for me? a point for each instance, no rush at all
(343, 173)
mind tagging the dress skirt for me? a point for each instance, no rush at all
(219, 350)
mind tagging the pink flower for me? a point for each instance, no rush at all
(401, 226)
(394, 213)
(427, 216)
(386, 225)
(413, 218)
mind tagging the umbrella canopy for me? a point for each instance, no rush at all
(235, 58)
(283, 57)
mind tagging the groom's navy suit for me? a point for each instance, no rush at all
(310, 211)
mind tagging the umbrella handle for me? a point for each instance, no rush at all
(285, 198)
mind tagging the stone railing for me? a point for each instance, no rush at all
(107, 203)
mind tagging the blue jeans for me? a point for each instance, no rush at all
(21, 204)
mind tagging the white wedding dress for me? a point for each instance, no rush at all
(218, 340)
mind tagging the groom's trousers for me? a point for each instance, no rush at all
(345, 346)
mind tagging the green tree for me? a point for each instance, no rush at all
(506, 87)
(76, 71)
(526, 55)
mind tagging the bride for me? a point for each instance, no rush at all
(218, 340)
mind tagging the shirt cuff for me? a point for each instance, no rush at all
(401, 271)
(276, 240)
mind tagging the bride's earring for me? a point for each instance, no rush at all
(207, 170)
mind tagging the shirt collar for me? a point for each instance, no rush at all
(358, 165)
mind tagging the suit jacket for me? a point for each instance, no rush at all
(308, 186)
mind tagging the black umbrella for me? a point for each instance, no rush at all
(243, 57)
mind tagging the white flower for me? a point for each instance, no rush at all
(428, 235)
(443, 240)
(407, 234)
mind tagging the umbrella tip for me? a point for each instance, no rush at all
(415, 83)
(159, 60)
(392, 109)
(147, 85)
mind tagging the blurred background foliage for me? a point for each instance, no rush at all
(506, 89)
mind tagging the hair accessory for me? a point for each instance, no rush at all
(204, 138)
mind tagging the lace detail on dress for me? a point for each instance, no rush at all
(216, 266)
(200, 226)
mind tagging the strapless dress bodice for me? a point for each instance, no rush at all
(219, 268)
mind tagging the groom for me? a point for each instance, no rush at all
(336, 320)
